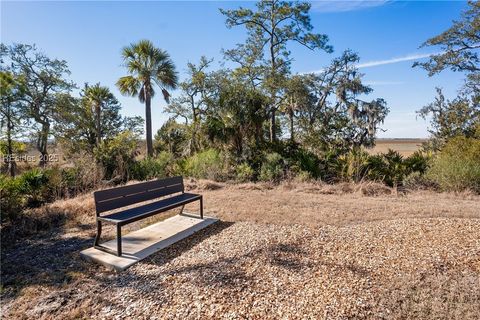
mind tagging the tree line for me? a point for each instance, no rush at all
(248, 112)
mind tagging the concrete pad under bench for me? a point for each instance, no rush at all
(139, 244)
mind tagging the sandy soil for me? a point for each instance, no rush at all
(296, 251)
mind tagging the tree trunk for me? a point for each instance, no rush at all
(42, 143)
(290, 114)
(273, 71)
(258, 134)
(11, 164)
(272, 126)
(193, 144)
(148, 121)
(98, 124)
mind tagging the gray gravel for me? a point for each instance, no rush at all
(265, 271)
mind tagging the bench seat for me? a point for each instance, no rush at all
(141, 212)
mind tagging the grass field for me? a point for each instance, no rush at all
(404, 146)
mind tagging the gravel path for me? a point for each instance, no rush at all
(414, 268)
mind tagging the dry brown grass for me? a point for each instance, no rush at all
(294, 250)
(313, 204)
(404, 146)
(317, 204)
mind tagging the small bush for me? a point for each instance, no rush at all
(394, 168)
(390, 167)
(27, 190)
(207, 164)
(34, 186)
(12, 197)
(457, 166)
(418, 162)
(352, 166)
(303, 176)
(38, 186)
(149, 168)
(244, 173)
(272, 168)
(307, 162)
(418, 181)
(86, 171)
(117, 156)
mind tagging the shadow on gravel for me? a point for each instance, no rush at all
(47, 260)
(150, 286)
(225, 272)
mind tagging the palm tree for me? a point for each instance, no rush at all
(95, 97)
(147, 66)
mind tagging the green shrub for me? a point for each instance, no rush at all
(172, 137)
(17, 146)
(352, 166)
(34, 186)
(418, 181)
(159, 167)
(418, 162)
(63, 182)
(457, 166)
(12, 197)
(305, 161)
(208, 164)
(303, 176)
(272, 167)
(390, 167)
(117, 155)
(394, 169)
(376, 168)
(244, 173)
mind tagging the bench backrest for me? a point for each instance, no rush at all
(106, 200)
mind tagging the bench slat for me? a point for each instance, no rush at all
(110, 199)
(144, 211)
(136, 188)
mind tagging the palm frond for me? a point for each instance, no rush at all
(166, 95)
(166, 76)
(129, 85)
(141, 95)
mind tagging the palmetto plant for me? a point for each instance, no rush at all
(147, 66)
(95, 97)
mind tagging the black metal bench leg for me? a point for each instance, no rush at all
(201, 207)
(99, 232)
(119, 240)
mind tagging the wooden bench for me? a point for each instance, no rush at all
(171, 190)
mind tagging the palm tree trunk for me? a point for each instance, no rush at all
(98, 124)
(148, 121)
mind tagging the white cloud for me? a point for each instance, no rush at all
(393, 60)
(341, 5)
(383, 83)
(377, 63)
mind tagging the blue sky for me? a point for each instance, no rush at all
(386, 34)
